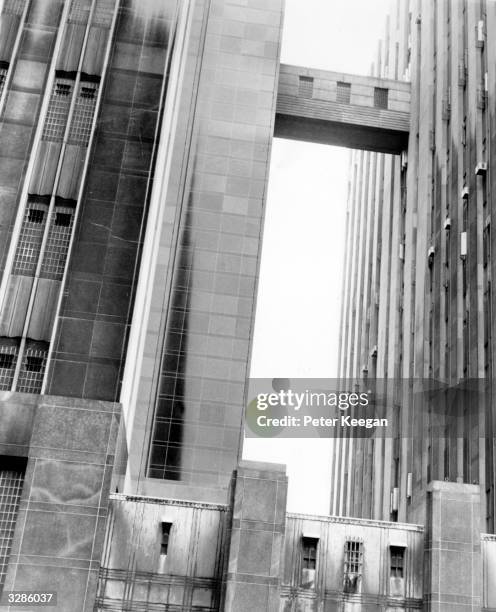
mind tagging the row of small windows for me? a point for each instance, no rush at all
(353, 558)
(353, 563)
(343, 92)
(32, 365)
(32, 233)
(59, 106)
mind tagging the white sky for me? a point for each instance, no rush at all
(298, 309)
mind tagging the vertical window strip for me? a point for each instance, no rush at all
(30, 238)
(59, 235)
(32, 368)
(58, 110)
(84, 111)
(8, 357)
(79, 11)
(11, 483)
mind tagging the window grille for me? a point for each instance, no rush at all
(31, 237)
(164, 544)
(353, 560)
(14, 7)
(59, 235)
(305, 88)
(84, 111)
(4, 68)
(309, 553)
(58, 110)
(79, 11)
(381, 96)
(397, 562)
(343, 92)
(12, 470)
(33, 368)
(8, 358)
(353, 557)
(104, 11)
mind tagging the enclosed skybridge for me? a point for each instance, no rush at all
(346, 110)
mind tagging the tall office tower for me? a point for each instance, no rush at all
(418, 303)
(135, 139)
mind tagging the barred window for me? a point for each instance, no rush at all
(397, 562)
(343, 92)
(31, 237)
(4, 68)
(58, 110)
(353, 557)
(305, 87)
(353, 560)
(79, 11)
(84, 111)
(104, 11)
(33, 367)
(14, 7)
(57, 246)
(381, 96)
(12, 470)
(8, 358)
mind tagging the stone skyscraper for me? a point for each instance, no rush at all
(418, 292)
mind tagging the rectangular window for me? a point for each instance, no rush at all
(397, 562)
(164, 543)
(309, 553)
(308, 561)
(12, 470)
(353, 560)
(343, 92)
(305, 87)
(33, 367)
(381, 97)
(58, 110)
(84, 111)
(4, 68)
(57, 245)
(31, 236)
(8, 358)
